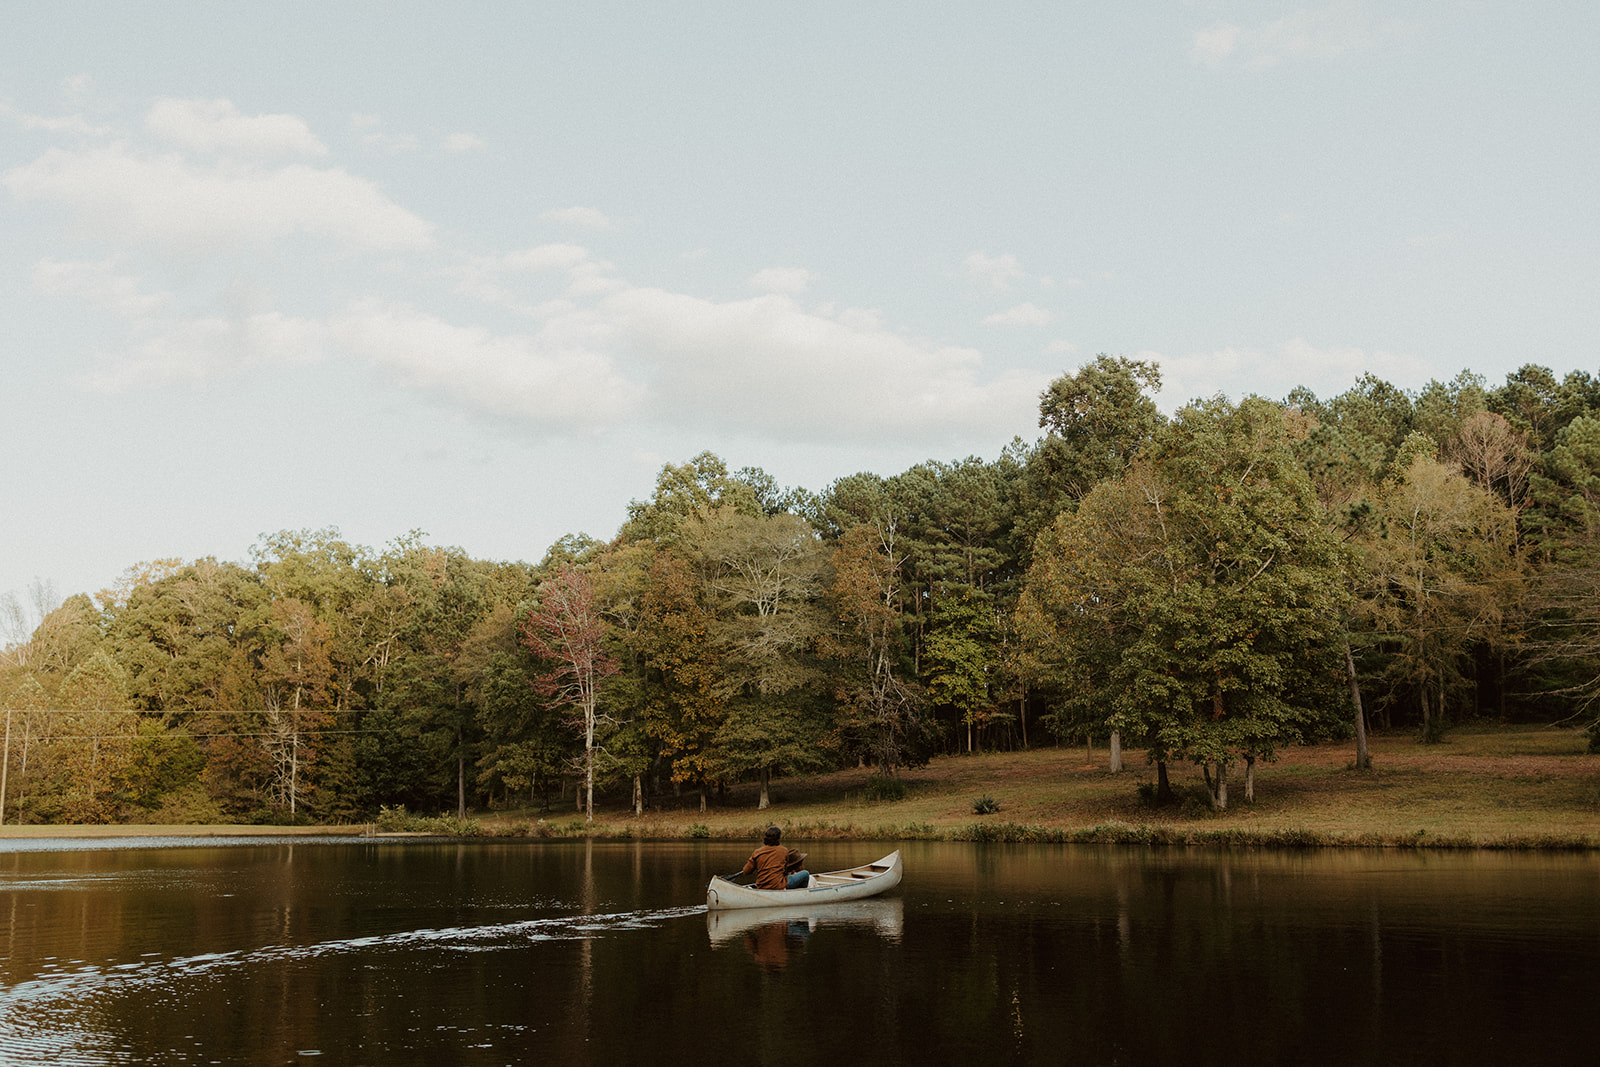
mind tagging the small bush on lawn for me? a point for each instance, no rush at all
(882, 787)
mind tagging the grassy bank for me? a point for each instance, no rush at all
(1484, 787)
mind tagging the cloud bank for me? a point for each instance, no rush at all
(551, 338)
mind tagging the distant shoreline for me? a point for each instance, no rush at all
(133, 830)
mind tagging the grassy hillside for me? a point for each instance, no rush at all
(1486, 787)
(1523, 786)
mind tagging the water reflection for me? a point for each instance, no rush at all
(771, 935)
(497, 952)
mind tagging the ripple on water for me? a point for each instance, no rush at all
(44, 1019)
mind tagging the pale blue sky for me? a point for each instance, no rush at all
(481, 268)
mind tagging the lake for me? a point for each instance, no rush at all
(195, 951)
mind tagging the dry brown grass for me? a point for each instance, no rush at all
(1513, 786)
(1521, 786)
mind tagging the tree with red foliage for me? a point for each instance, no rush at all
(568, 631)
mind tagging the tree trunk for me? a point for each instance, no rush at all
(1164, 794)
(638, 795)
(588, 760)
(765, 800)
(1088, 748)
(5, 765)
(1250, 779)
(1115, 764)
(1218, 787)
(1363, 757)
(461, 777)
(702, 798)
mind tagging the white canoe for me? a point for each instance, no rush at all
(867, 880)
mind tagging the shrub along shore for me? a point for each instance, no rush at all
(1496, 787)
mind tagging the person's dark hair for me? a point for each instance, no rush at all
(771, 836)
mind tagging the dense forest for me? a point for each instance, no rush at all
(1208, 587)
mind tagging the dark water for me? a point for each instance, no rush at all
(401, 952)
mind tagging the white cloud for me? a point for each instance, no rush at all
(1022, 315)
(996, 271)
(1305, 35)
(544, 257)
(586, 218)
(100, 284)
(1213, 46)
(217, 126)
(600, 358)
(201, 347)
(782, 280)
(73, 124)
(370, 129)
(166, 200)
(462, 142)
(593, 352)
(767, 366)
(545, 378)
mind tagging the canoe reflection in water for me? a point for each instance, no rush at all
(771, 935)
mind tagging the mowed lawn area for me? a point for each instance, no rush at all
(1520, 786)
(1483, 785)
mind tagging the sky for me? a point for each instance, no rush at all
(480, 269)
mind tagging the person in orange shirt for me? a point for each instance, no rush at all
(776, 867)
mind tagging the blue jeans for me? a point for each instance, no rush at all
(798, 879)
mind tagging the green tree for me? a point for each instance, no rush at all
(1563, 524)
(1535, 403)
(1222, 590)
(883, 709)
(26, 718)
(1076, 616)
(1096, 421)
(89, 744)
(960, 663)
(763, 578)
(1439, 571)
(698, 487)
(683, 705)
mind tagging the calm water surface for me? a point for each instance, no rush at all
(401, 952)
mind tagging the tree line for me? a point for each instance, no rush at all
(1207, 587)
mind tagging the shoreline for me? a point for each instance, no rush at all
(1491, 788)
(1149, 835)
(142, 830)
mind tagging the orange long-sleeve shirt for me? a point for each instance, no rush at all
(768, 862)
